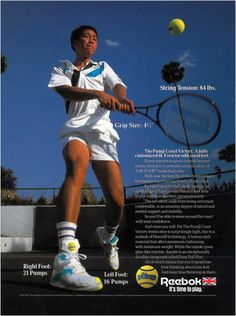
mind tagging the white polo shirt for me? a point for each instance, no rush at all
(87, 116)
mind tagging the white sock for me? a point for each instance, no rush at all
(109, 232)
(65, 231)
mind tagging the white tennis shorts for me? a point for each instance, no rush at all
(100, 148)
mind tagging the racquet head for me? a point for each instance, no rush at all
(190, 119)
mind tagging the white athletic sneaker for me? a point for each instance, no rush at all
(109, 248)
(68, 273)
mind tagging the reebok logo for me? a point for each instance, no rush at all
(169, 282)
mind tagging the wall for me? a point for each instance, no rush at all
(17, 228)
(29, 227)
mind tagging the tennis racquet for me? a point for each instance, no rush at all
(186, 118)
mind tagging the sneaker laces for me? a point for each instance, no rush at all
(114, 248)
(74, 261)
(111, 249)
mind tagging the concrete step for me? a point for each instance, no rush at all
(16, 244)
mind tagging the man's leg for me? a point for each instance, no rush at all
(109, 176)
(76, 156)
(68, 272)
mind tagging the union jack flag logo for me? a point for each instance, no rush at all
(208, 281)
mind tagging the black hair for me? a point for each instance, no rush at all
(76, 34)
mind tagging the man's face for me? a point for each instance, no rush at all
(86, 45)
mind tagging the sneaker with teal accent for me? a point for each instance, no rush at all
(109, 248)
(68, 273)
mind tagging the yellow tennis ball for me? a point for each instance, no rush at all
(72, 246)
(176, 26)
(147, 276)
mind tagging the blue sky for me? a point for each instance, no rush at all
(134, 40)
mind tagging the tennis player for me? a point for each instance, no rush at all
(88, 135)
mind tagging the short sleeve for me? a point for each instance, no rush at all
(111, 78)
(58, 78)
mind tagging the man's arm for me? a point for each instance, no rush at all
(76, 94)
(79, 94)
(119, 92)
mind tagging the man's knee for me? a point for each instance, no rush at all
(75, 168)
(76, 156)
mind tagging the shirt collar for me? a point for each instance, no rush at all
(69, 64)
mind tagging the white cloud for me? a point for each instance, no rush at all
(112, 43)
(186, 60)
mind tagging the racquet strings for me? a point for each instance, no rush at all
(200, 117)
